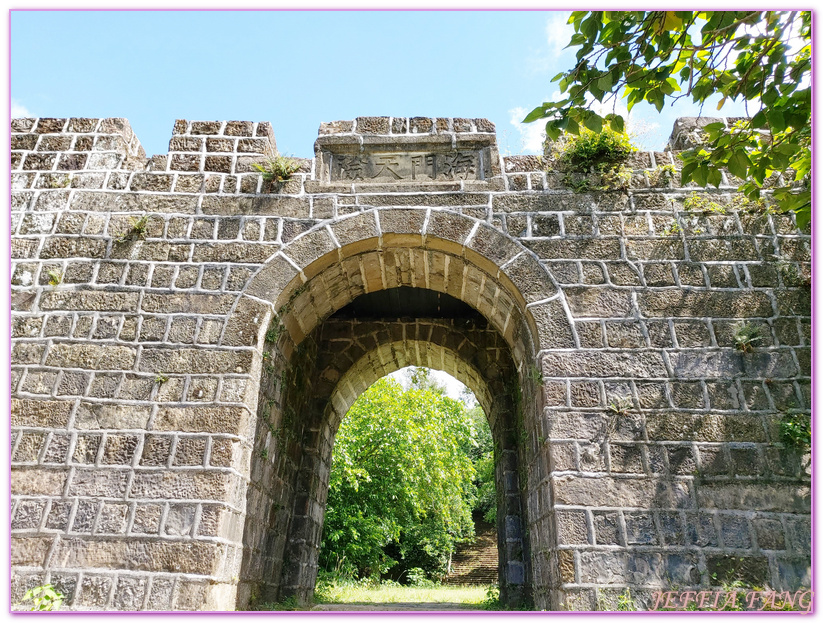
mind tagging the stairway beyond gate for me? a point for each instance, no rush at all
(476, 562)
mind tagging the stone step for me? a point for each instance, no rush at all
(476, 562)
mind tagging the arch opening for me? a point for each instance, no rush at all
(457, 317)
(404, 482)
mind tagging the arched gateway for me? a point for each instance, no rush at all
(176, 391)
(318, 363)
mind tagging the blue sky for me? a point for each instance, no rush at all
(296, 69)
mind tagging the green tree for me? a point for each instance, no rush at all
(401, 482)
(421, 378)
(762, 58)
(482, 455)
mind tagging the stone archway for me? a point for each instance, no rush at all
(307, 385)
(358, 353)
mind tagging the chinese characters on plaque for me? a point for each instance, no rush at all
(408, 166)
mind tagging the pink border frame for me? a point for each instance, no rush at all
(5, 305)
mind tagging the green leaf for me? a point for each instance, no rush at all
(576, 39)
(715, 178)
(589, 28)
(572, 127)
(605, 81)
(776, 121)
(594, 123)
(777, 160)
(538, 113)
(739, 164)
(616, 123)
(576, 16)
(687, 171)
(658, 100)
(650, 55)
(803, 215)
(759, 120)
(802, 165)
(552, 131)
(632, 97)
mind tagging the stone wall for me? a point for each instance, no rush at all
(166, 316)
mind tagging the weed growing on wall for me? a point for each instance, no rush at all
(55, 277)
(593, 160)
(792, 273)
(624, 603)
(137, 230)
(58, 182)
(705, 205)
(746, 336)
(662, 174)
(43, 598)
(672, 229)
(600, 151)
(621, 407)
(278, 170)
(796, 430)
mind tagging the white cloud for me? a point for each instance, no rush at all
(19, 111)
(531, 135)
(558, 32)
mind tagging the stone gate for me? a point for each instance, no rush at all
(186, 338)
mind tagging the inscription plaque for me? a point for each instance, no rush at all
(445, 159)
(419, 166)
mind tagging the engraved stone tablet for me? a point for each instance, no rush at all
(419, 166)
(351, 157)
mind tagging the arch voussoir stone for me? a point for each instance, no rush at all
(402, 226)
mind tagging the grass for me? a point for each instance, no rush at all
(473, 597)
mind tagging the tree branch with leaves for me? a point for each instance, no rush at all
(760, 58)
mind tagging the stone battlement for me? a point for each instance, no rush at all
(216, 157)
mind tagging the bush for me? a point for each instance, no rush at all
(417, 577)
(602, 151)
(482, 455)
